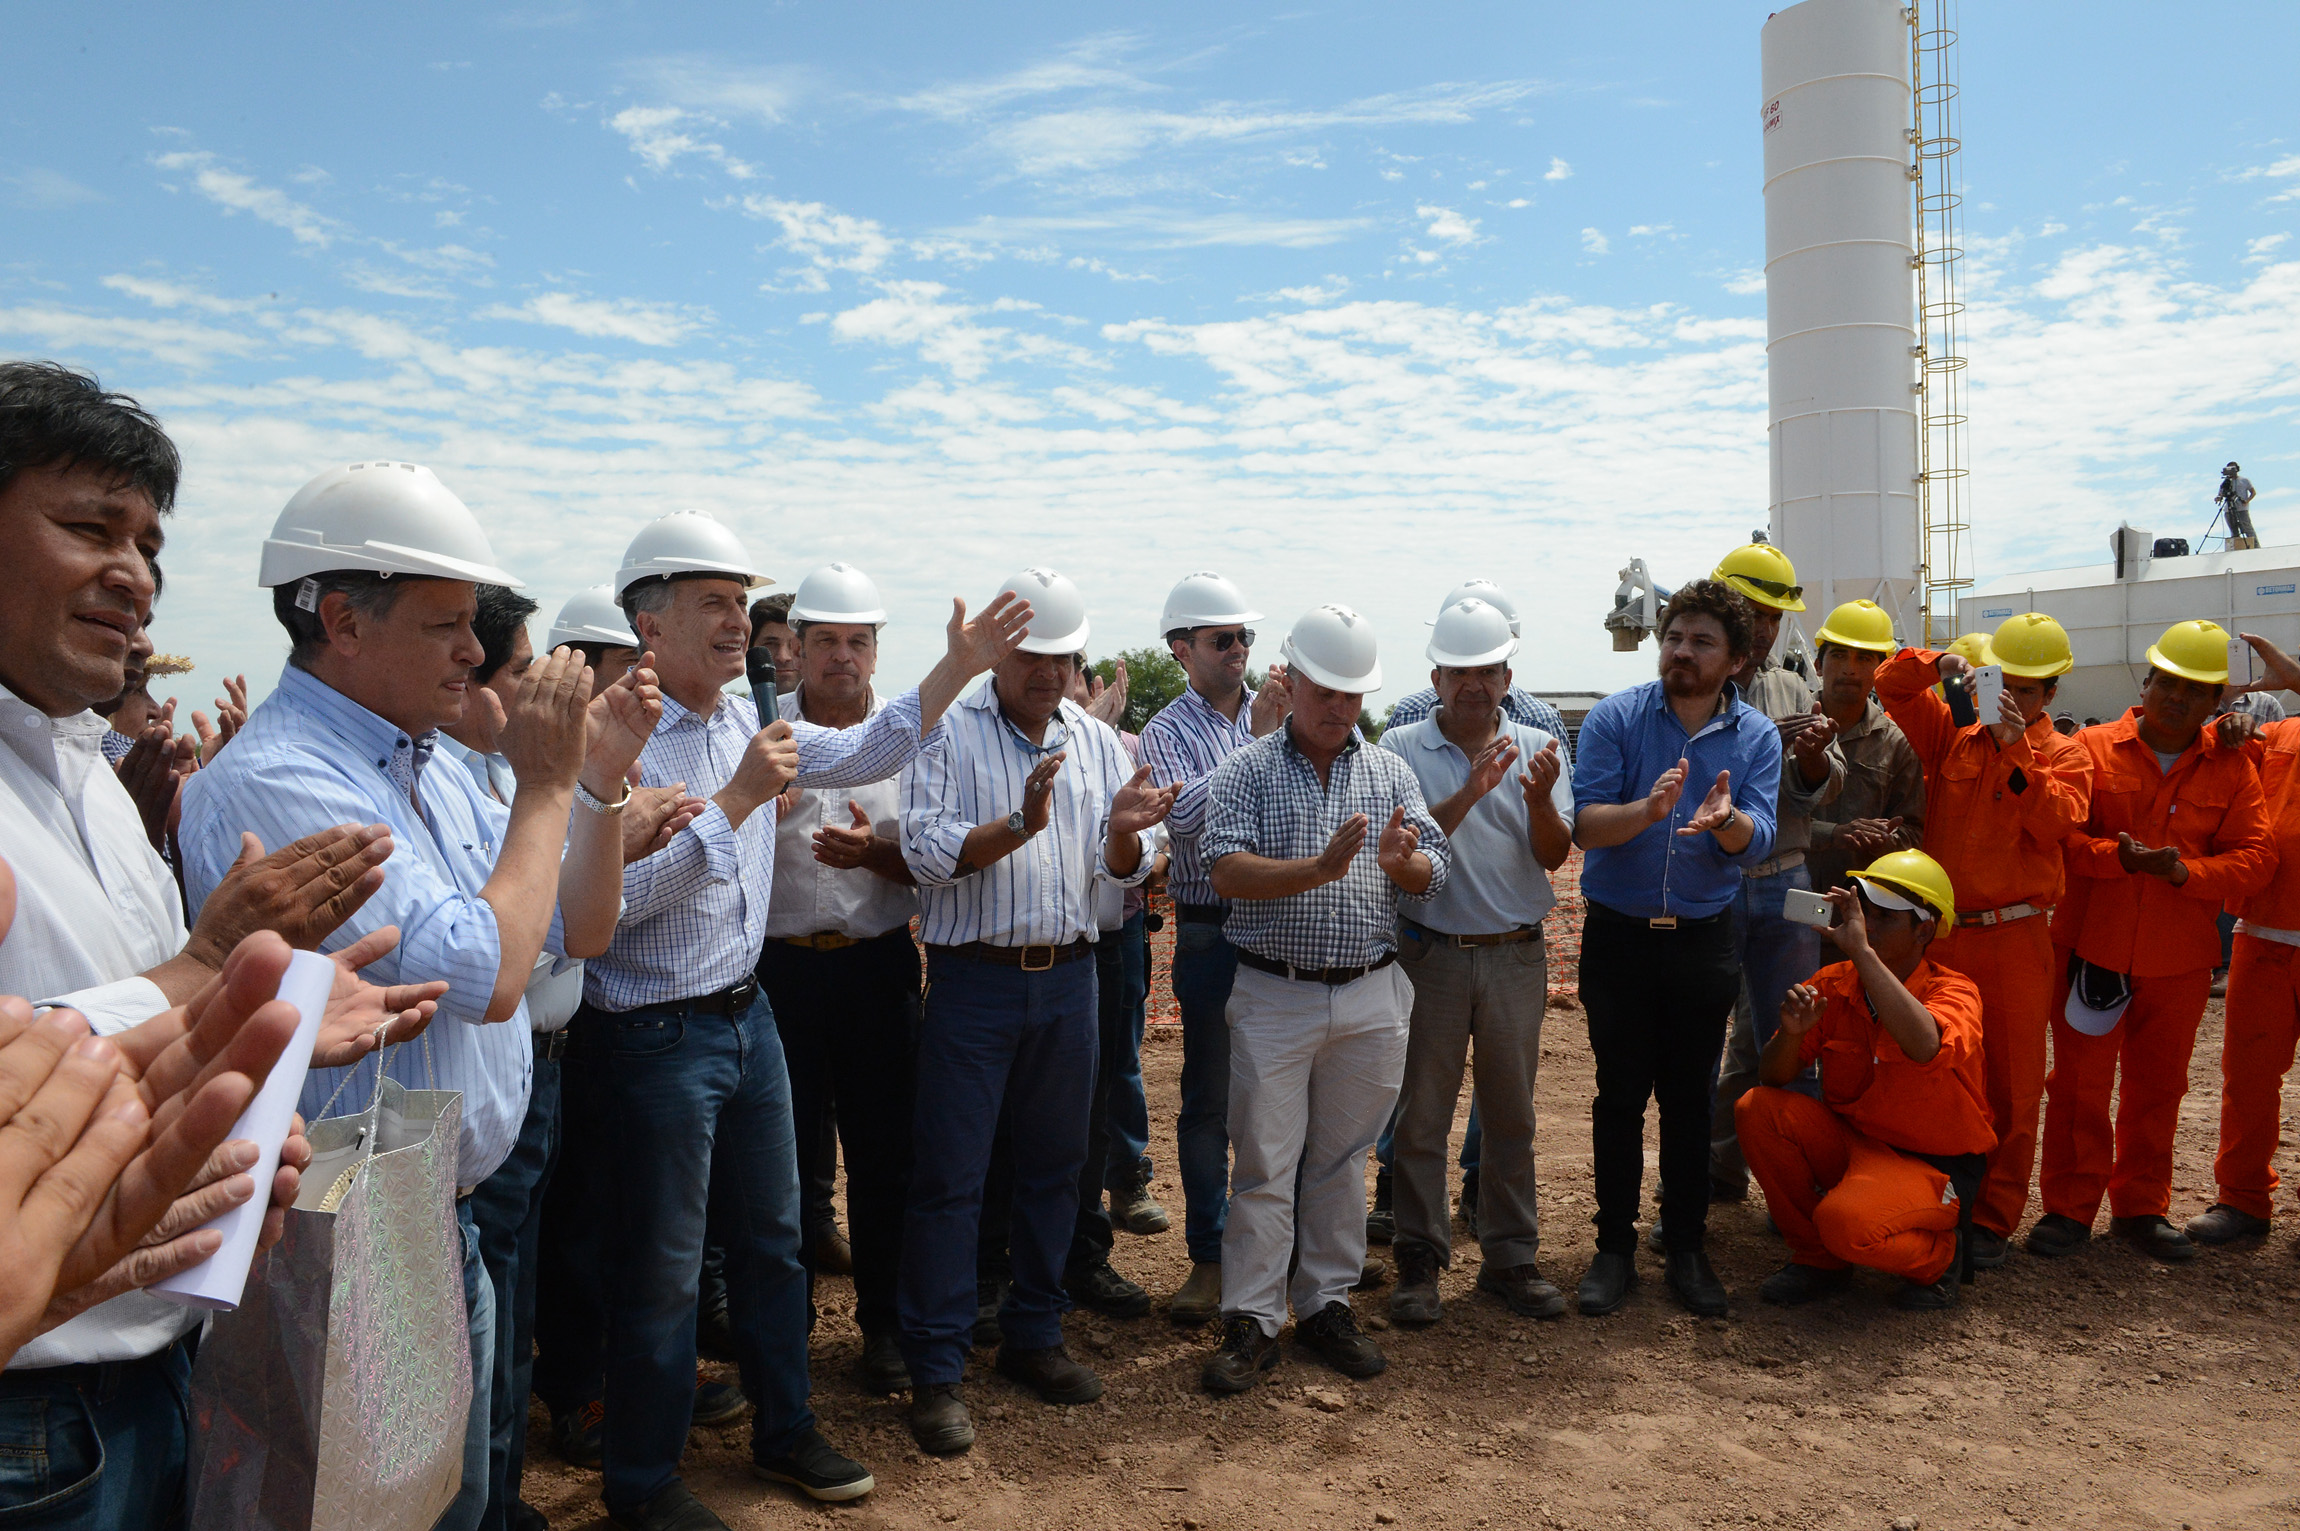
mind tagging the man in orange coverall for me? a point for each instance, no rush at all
(2263, 982)
(1871, 1174)
(2000, 796)
(2178, 827)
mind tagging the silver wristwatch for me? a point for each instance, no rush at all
(1014, 823)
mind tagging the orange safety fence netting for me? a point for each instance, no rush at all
(1563, 928)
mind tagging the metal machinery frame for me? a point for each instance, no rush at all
(1942, 492)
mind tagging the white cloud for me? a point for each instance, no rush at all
(763, 94)
(1447, 225)
(1084, 65)
(1749, 283)
(1146, 227)
(1558, 170)
(2287, 168)
(826, 240)
(2259, 251)
(237, 193)
(40, 189)
(161, 293)
(1519, 202)
(663, 135)
(1595, 242)
(647, 324)
(926, 316)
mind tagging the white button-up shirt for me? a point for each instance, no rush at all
(973, 773)
(695, 912)
(95, 905)
(1497, 884)
(810, 897)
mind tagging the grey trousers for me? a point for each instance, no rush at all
(1313, 1075)
(1497, 994)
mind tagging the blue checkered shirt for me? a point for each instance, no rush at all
(1518, 705)
(695, 912)
(1183, 743)
(973, 773)
(1267, 801)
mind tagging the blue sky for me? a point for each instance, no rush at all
(1351, 302)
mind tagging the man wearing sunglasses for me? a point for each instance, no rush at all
(1204, 625)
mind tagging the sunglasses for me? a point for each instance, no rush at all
(1224, 642)
(1772, 587)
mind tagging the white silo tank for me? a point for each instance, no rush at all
(1840, 303)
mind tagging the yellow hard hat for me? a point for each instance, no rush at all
(1972, 648)
(1763, 573)
(1860, 625)
(1915, 874)
(2193, 651)
(2033, 646)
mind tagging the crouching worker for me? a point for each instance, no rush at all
(1876, 1172)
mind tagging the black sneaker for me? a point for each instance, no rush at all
(1050, 1372)
(1990, 1248)
(1382, 1221)
(883, 1369)
(2055, 1235)
(1795, 1284)
(1929, 1296)
(577, 1435)
(716, 1403)
(817, 1471)
(1416, 1300)
(1246, 1353)
(939, 1421)
(2224, 1224)
(1340, 1343)
(2155, 1237)
(1101, 1288)
(988, 1297)
(674, 1509)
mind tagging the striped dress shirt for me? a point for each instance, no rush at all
(1517, 704)
(311, 758)
(1268, 801)
(1183, 743)
(695, 912)
(1043, 894)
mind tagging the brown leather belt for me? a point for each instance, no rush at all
(1331, 977)
(1505, 938)
(1031, 959)
(821, 941)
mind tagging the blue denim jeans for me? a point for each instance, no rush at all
(1122, 978)
(1205, 966)
(697, 1118)
(463, 1512)
(508, 1211)
(1775, 952)
(994, 1036)
(94, 1448)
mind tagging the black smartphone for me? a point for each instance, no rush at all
(1959, 692)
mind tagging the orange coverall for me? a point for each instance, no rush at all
(2168, 939)
(1841, 1175)
(2001, 846)
(2263, 994)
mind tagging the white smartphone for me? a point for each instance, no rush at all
(2242, 663)
(1988, 690)
(1808, 909)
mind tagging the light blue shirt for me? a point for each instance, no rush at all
(1627, 741)
(972, 773)
(555, 993)
(1498, 884)
(310, 758)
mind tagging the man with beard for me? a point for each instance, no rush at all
(1658, 968)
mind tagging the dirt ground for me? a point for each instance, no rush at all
(2102, 1391)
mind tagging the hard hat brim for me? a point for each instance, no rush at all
(631, 575)
(2206, 677)
(1741, 588)
(1447, 661)
(1175, 621)
(1874, 645)
(1354, 685)
(2092, 1020)
(1069, 643)
(818, 614)
(284, 562)
(589, 633)
(1892, 893)
(2034, 671)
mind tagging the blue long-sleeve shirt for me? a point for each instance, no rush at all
(1627, 741)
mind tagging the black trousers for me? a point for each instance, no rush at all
(570, 1299)
(1657, 1002)
(849, 1022)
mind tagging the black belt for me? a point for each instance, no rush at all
(1200, 914)
(1332, 977)
(1031, 959)
(550, 1045)
(731, 1001)
(1677, 921)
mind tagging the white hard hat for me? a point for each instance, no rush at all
(1470, 633)
(591, 616)
(686, 542)
(1334, 646)
(383, 517)
(1057, 612)
(1204, 600)
(837, 592)
(1484, 590)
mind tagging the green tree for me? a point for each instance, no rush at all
(1153, 678)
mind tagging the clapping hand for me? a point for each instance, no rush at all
(620, 719)
(1491, 766)
(1716, 809)
(990, 637)
(1038, 794)
(1107, 703)
(2140, 860)
(231, 714)
(1867, 837)
(654, 815)
(1539, 778)
(1138, 805)
(1272, 701)
(1397, 845)
(1667, 788)
(842, 845)
(1809, 742)
(547, 727)
(1334, 861)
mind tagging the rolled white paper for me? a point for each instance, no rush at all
(217, 1281)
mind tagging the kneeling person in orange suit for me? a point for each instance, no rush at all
(2177, 827)
(1877, 1171)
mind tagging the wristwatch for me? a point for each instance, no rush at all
(1014, 824)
